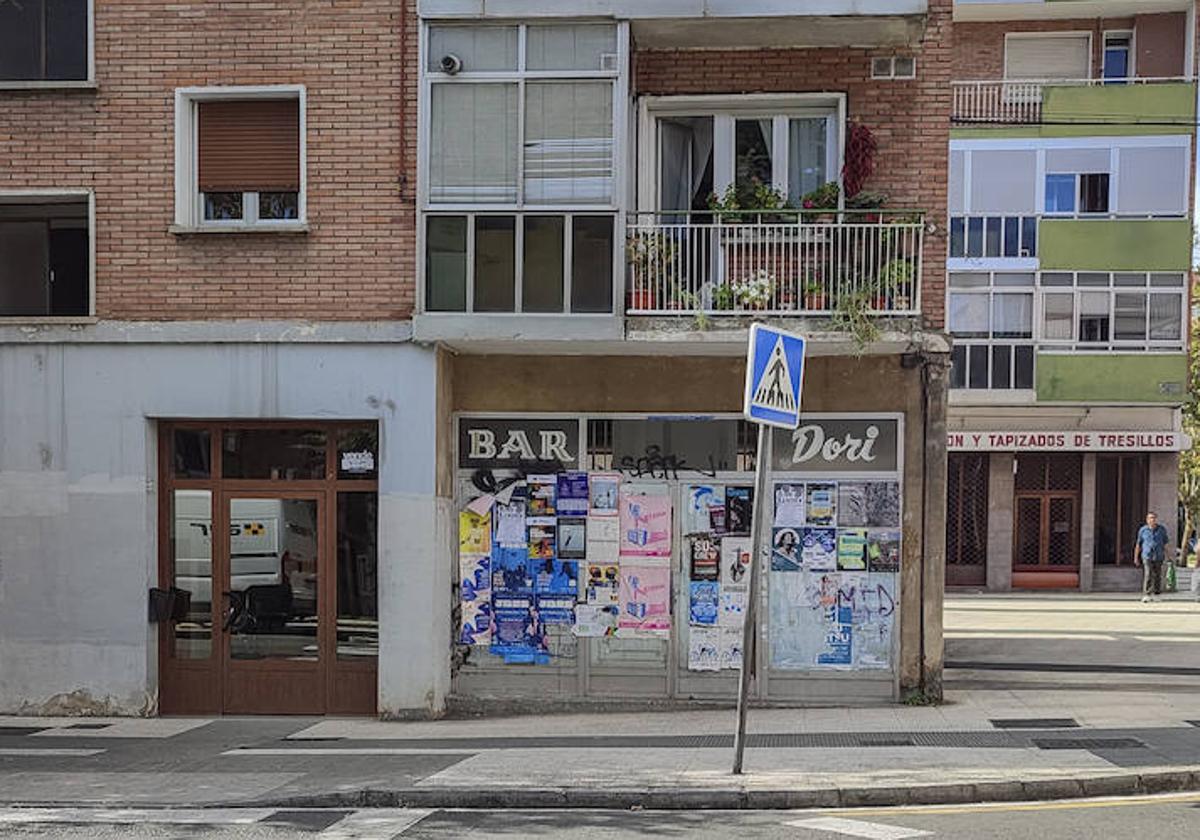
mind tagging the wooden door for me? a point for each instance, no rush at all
(1046, 534)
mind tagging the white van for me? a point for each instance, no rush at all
(255, 550)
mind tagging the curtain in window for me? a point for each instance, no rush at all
(969, 315)
(1012, 316)
(473, 144)
(1166, 314)
(806, 156)
(1059, 316)
(568, 143)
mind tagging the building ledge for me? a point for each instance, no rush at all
(271, 230)
(99, 331)
(50, 85)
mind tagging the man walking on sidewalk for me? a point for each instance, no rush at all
(1150, 551)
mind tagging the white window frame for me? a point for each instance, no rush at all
(1008, 36)
(1127, 33)
(619, 76)
(990, 292)
(891, 65)
(44, 196)
(1112, 345)
(59, 84)
(189, 201)
(725, 111)
(1076, 212)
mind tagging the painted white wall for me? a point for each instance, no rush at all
(78, 502)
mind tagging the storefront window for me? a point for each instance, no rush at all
(357, 576)
(288, 454)
(191, 453)
(358, 453)
(191, 577)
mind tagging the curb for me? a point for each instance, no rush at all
(710, 799)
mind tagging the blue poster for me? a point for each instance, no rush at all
(519, 635)
(705, 601)
(572, 493)
(476, 578)
(838, 639)
(510, 570)
(556, 609)
(555, 577)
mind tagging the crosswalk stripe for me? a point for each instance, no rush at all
(36, 751)
(124, 816)
(375, 824)
(282, 751)
(858, 828)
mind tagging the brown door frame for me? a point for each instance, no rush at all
(201, 686)
(1044, 497)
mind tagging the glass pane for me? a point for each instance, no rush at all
(276, 454)
(1023, 367)
(752, 157)
(543, 264)
(958, 237)
(358, 453)
(977, 374)
(223, 206)
(568, 142)
(969, 315)
(1060, 193)
(573, 46)
(1001, 366)
(22, 41)
(591, 263)
(1012, 316)
(685, 164)
(1165, 280)
(969, 280)
(495, 263)
(446, 264)
(191, 559)
(1029, 236)
(806, 156)
(958, 366)
(191, 453)
(474, 129)
(1058, 278)
(278, 205)
(1093, 193)
(1129, 279)
(1129, 322)
(1093, 316)
(1116, 62)
(1106, 501)
(991, 244)
(273, 546)
(1166, 317)
(357, 576)
(24, 264)
(66, 39)
(1012, 236)
(1059, 317)
(478, 47)
(1013, 278)
(975, 237)
(1092, 278)
(1060, 545)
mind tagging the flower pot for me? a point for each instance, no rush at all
(643, 299)
(816, 302)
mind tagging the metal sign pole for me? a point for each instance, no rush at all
(750, 619)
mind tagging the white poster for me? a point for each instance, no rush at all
(704, 648)
(735, 563)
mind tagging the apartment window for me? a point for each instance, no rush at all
(991, 319)
(45, 40)
(519, 188)
(894, 67)
(240, 158)
(1091, 310)
(993, 236)
(45, 256)
(1077, 193)
(1065, 55)
(1118, 57)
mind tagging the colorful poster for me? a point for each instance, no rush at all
(572, 537)
(475, 576)
(832, 620)
(852, 550)
(818, 549)
(838, 644)
(697, 511)
(556, 609)
(603, 490)
(883, 551)
(731, 648)
(852, 504)
(510, 522)
(706, 559)
(883, 504)
(595, 620)
(645, 526)
(716, 517)
(572, 494)
(739, 509)
(704, 649)
(735, 563)
(518, 633)
(785, 550)
(474, 533)
(553, 576)
(789, 505)
(822, 504)
(511, 570)
(705, 602)
(476, 623)
(733, 608)
(542, 537)
(645, 600)
(603, 583)
(541, 491)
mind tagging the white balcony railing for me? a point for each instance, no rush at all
(779, 263)
(1019, 101)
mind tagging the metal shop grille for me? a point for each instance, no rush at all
(599, 444)
(1049, 471)
(967, 509)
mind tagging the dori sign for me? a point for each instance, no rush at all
(839, 444)
(503, 444)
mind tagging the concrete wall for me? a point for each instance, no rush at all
(78, 537)
(1000, 521)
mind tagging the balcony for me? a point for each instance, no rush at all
(1161, 102)
(784, 263)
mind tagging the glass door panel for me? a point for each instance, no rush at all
(192, 571)
(1028, 549)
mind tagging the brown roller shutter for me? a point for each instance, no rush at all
(251, 144)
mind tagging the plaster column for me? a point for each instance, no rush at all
(1000, 521)
(1087, 523)
(1163, 497)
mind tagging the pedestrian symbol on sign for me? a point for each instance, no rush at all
(775, 390)
(774, 373)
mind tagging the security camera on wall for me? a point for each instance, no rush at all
(450, 64)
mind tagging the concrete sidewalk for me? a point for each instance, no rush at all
(980, 746)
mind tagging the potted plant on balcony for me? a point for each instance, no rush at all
(824, 197)
(723, 297)
(651, 256)
(739, 204)
(755, 291)
(895, 279)
(815, 297)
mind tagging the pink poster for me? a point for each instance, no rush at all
(645, 526)
(645, 600)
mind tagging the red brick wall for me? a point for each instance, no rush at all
(979, 47)
(910, 119)
(356, 262)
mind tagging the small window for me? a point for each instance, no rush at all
(1093, 192)
(894, 67)
(247, 159)
(45, 257)
(1060, 193)
(1058, 315)
(1094, 317)
(1117, 55)
(44, 40)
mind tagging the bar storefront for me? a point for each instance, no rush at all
(606, 555)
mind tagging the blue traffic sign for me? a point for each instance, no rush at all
(774, 376)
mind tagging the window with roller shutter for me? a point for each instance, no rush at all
(1059, 56)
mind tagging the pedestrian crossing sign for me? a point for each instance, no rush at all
(774, 374)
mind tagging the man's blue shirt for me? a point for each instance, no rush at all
(1151, 543)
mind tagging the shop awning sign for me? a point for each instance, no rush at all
(1033, 440)
(774, 376)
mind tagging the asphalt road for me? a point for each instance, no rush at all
(1171, 817)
